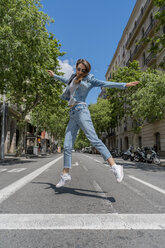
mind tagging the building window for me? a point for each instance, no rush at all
(135, 24)
(144, 59)
(119, 58)
(142, 10)
(157, 141)
(151, 19)
(140, 141)
(121, 145)
(126, 143)
(164, 30)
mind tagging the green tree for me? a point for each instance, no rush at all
(148, 102)
(27, 51)
(81, 140)
(52, 118)
(101, 115)
(121, 99)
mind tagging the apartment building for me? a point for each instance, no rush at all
(140, 24)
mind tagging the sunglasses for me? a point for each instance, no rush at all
(82, 70)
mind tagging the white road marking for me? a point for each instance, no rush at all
(142, 194)
(98, 161)
(106, 164)
(1, 170)
(89, 157)
(12, 188)
(76, 164)
(17, 170)
(82, 221)
(85, 168)
(148, 184)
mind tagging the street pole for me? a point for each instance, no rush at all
(3, 129)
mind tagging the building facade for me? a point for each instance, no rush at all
(30, 138)
(141, 24)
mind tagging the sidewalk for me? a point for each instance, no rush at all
(13, 159)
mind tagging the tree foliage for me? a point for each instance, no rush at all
(146, 100)
(27, 51)
(101, 115)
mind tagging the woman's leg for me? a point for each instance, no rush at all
(86, 125)
(70, 136)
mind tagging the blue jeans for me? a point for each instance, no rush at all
(80, 118)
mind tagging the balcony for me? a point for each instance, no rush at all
(139, 20)
(138, 47)
(150, 59)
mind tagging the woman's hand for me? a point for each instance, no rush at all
(132, 83)
(51, 73)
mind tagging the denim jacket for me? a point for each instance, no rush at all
(85, 85)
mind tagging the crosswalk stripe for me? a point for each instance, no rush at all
(82, 221)
(17, 170)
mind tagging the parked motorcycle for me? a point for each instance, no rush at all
(151, 156)
(139, 155)
(116, 153)
(129, 154)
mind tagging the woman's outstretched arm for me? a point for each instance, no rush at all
(60, 78)
(107, 84)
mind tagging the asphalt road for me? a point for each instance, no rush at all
(93, 210)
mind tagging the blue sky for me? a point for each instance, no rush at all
(89, 29)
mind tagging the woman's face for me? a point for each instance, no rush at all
(80, 70)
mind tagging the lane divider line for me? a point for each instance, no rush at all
(1, 170)
(85, 168)
(148, 184)
(12, 188)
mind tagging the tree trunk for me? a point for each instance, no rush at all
(20, 146)
(134, 140)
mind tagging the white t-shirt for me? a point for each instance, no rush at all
(72, 87)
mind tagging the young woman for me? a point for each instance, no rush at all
(78, 87)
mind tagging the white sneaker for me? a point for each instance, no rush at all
(118, 172)
(64, 179)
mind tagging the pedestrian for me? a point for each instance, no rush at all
(78, 87)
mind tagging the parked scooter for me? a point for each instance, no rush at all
(116, 153)
(151, 156)
(139, 155)
(129, 154)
